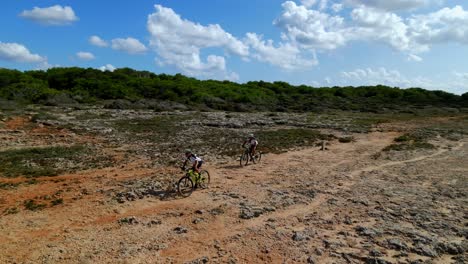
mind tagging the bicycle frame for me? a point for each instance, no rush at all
(194, 177)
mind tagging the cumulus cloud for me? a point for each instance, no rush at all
(82, 55)
(455, 82)
(178, 42)
(107, 67)
(129, 45)
(415, 34)
(19, 53)
(389, 28)
(285, 55)
(445, 25)
(311, 28)
(54, 15)
(383, 76)
(97, 41)
(376, 76)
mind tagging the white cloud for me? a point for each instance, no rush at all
(445, 25)
(107, 67)
(454, 83)
(323, 4)
(45, 65)
(390, 5)
(311, 28)
(85, 55)
(389, 28)
(415, 34)
(19, 53)
(54, 15)
(286, 55)
(412, 57)
(308, 3)
(97, 41)
(129, 45)
(178, 42)
(387, 77)
(376, 76)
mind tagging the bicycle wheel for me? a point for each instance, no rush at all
(241, 159)
(185, 186)
(204, 179)
(244, 159)
(257, 157)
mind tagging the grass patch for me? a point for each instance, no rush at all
(93, 116)
(34, 162)
(155, 124)
(11, 210)
(33, 206)
(409, 146)
(403, 138)
(56, 202)
(156, 129)
(8, 186)
(280, 140)
(370, 121)
(42, 116)
(411, 141)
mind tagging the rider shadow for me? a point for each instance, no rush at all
(230, 167)
(166, 195)
(169, 194)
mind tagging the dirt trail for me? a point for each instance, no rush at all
(298, 206)
(418, 158)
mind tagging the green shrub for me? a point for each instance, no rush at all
(57, 201)
(346, 139)
(33, 162)
(33, 206)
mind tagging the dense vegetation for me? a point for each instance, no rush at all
(78, 85)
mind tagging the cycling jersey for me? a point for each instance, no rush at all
(194, 158)
(252, 142)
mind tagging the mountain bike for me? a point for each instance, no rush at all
(192, 180)
(246, 157)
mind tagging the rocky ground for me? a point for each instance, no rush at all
(367, 198)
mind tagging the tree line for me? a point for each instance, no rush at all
(88, 85)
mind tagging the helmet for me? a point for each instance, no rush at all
(188, 151)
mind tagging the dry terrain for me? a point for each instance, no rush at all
(91, 186)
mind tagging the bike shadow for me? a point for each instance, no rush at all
(164, 195)
(230, 167)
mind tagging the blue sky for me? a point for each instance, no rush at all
(404, 43)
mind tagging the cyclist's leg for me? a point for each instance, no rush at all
(251, 152)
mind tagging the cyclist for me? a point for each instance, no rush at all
(252, 143)
(192, 158)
